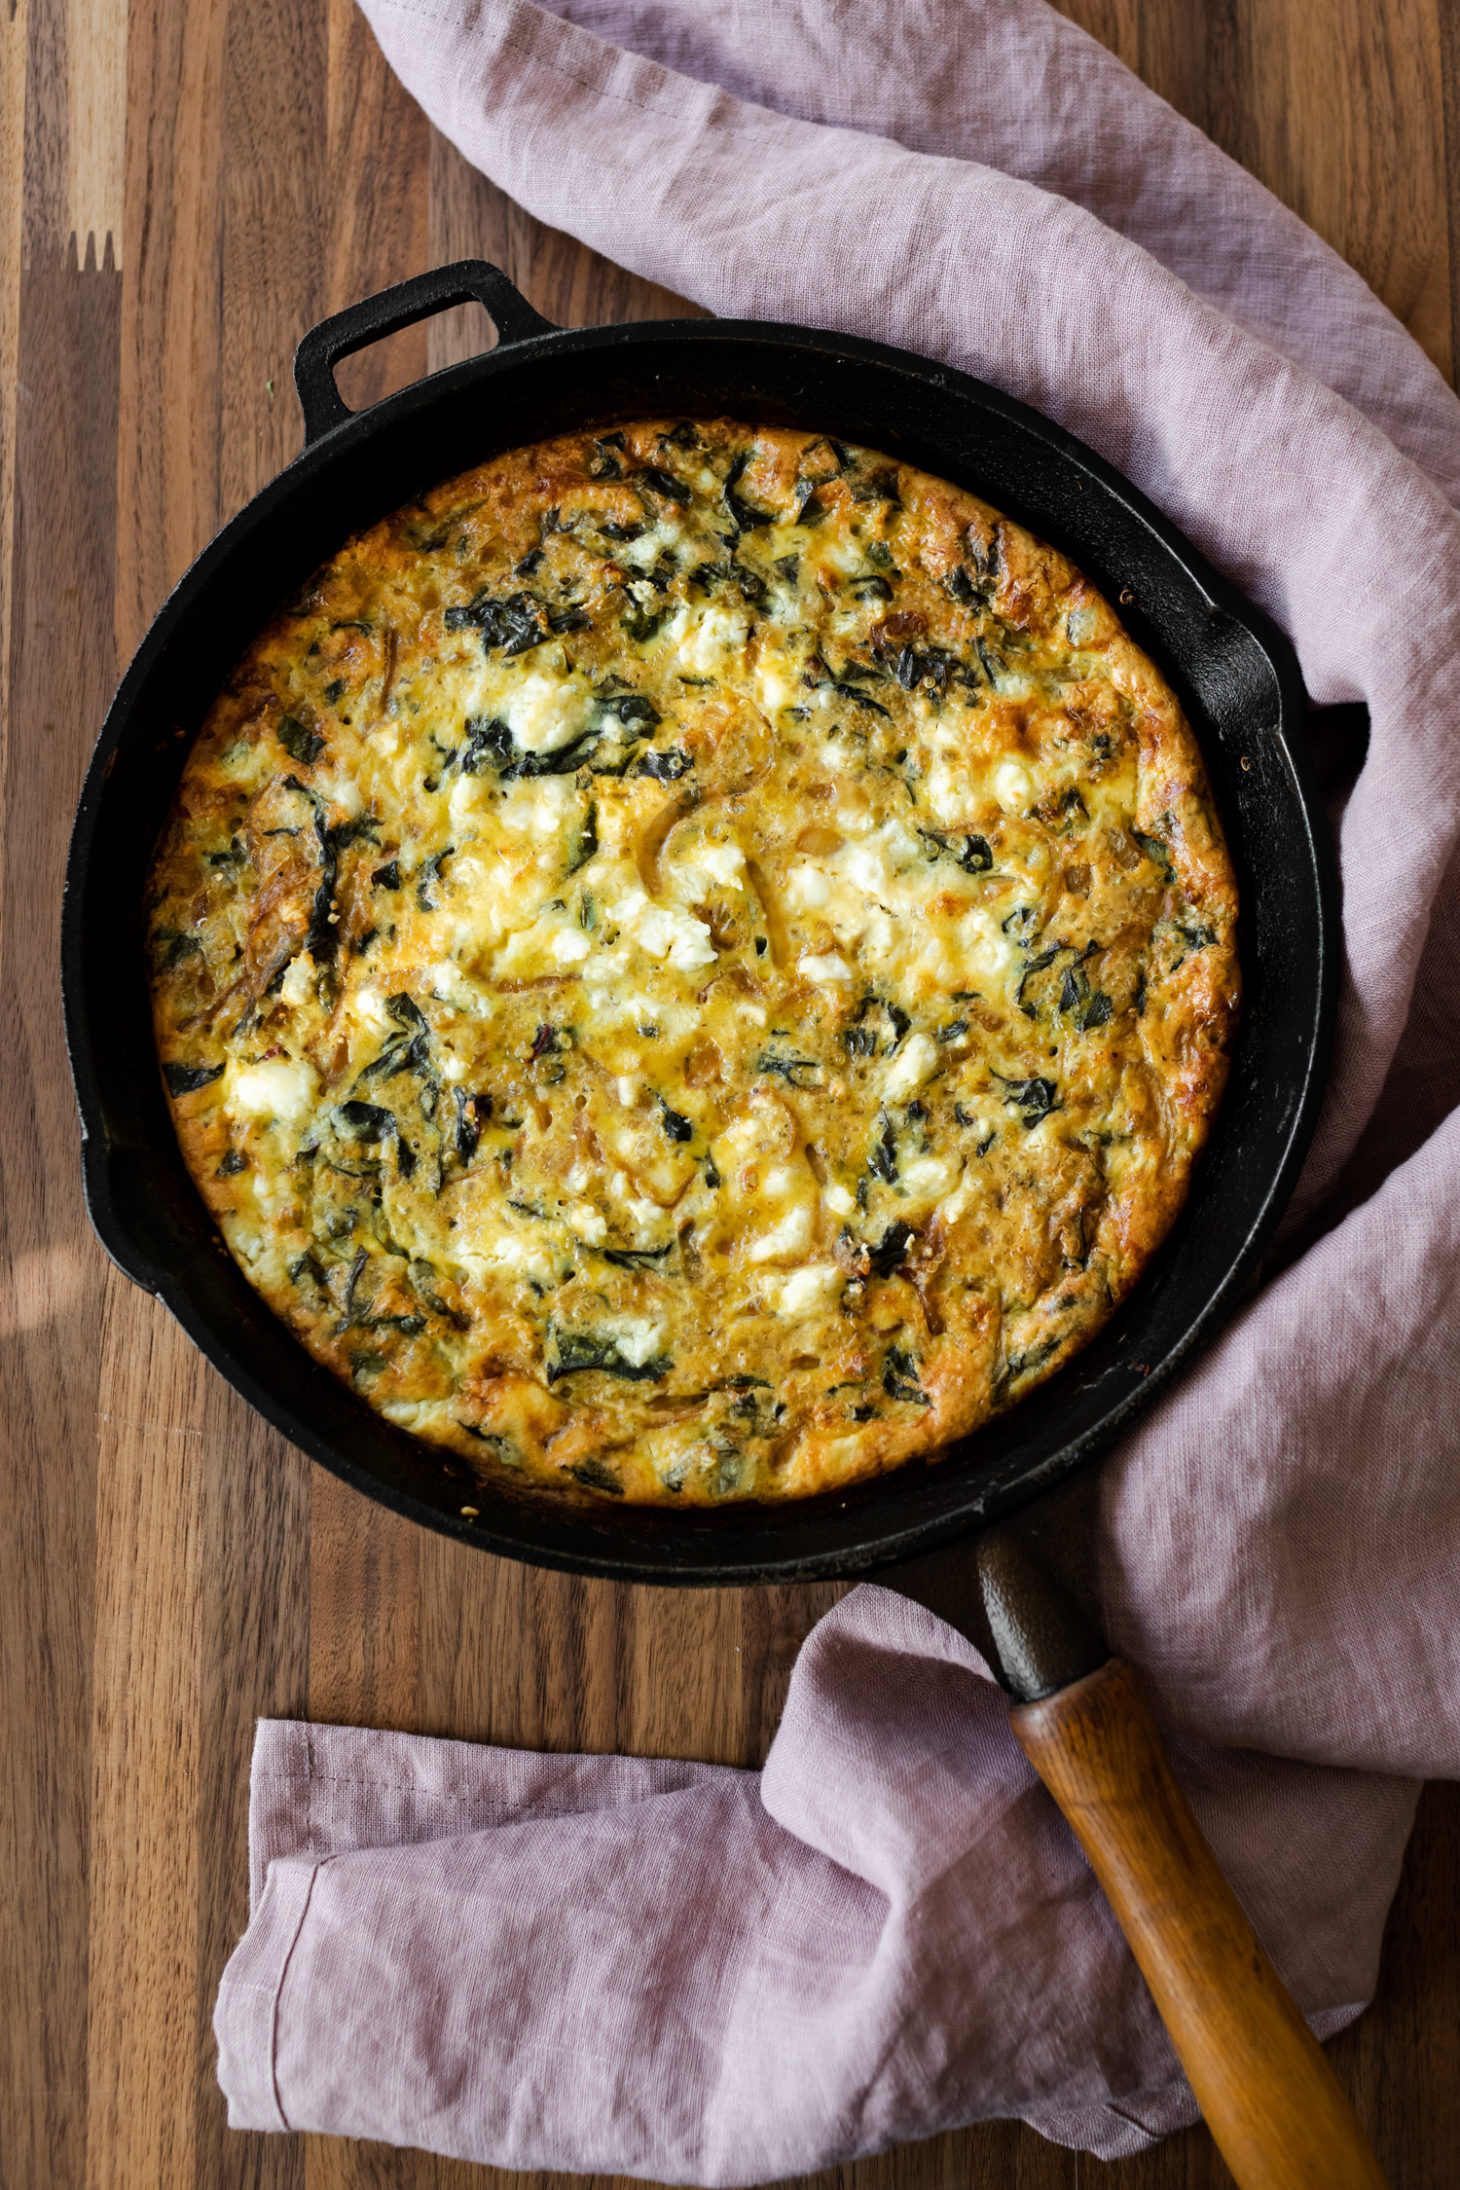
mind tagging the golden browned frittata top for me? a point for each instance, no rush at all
(694, 963)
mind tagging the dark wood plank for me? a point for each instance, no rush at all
(60, 548)
(1336, 107)
(58, 426)
(253, 1499)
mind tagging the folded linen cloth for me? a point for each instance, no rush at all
(695, 1974)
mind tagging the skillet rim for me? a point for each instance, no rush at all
(590, 1537)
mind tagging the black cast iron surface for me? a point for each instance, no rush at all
(1235, 676)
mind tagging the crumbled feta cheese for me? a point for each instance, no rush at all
(282, 1089)
(915, 1062)
(341, 794)
(297, 986)
(808, 1288)
(775, 685)
(546, 712)
(785, 1240)
(723, 863)
(664, 931)
(1012, 786)
(926, 1177)
(449, 985)
(636, 1338)
(838, 1199)
(808, 886)
(703, 637)
(825, 968)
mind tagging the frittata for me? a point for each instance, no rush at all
(694, 963)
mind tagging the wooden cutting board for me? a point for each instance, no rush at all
(184, 188)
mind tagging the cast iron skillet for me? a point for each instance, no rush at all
(1240, 686)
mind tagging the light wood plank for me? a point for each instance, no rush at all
(143, 1978)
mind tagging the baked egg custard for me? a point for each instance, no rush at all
(694, 963)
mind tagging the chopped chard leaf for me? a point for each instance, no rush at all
(366, 1121)
(571, 617)
(187, 1079)
(675, 1124)
(666, 767)
(597, 1475)
(471, 1113)
(299, 743)
(882, 1156)
(510, 626)
(575, 1352)
(1156, 849)
(891, 1250)
(1033, 1099)
(993, 666)
(489, 744)
(663, 483)
(1034, 966)
(789, 1069)
(633, 710)
(585, 847)
(974, 854)
(641, 622)
(407, 1013)
(877, 486)
(172, 948)
(900, 1378)
(635, 1258)
(427, 873)
(1033, 1357)
(742, 515)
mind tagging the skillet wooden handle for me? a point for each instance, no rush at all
(1270, 2099)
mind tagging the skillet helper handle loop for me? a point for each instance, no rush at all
(1269, 2097)
(467, 281)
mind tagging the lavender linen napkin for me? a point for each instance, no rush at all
(695, 1974)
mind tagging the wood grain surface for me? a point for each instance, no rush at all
(185, 186)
